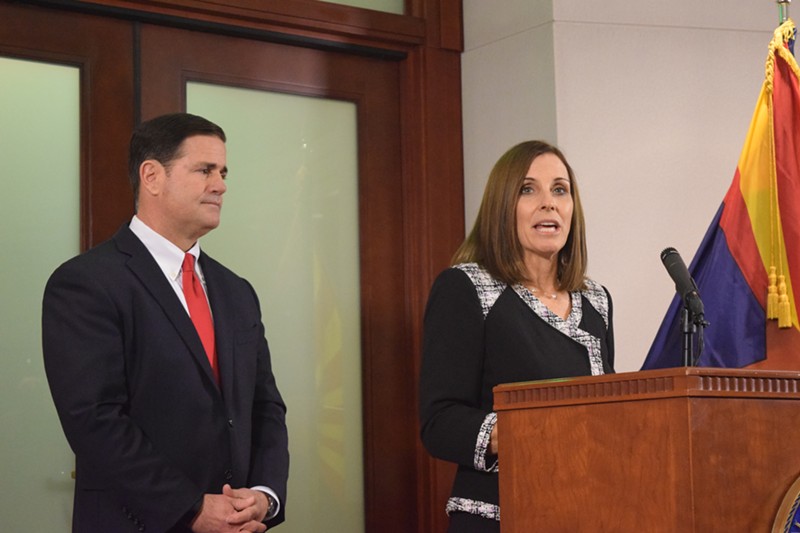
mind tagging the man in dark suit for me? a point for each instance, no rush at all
(173, 413)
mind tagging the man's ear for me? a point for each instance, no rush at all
(151, 176)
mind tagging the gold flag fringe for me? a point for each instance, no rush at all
(777, 294)
(784, 314)
(772, 295)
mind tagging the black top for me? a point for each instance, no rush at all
(479, 333)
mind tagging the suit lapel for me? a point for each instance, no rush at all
(145, 268)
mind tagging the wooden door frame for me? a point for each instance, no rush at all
(105, 127)
(427, 44)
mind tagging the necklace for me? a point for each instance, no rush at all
(551, 295)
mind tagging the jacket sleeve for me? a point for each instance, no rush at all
(454, 426)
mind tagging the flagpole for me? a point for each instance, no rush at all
(783, 9)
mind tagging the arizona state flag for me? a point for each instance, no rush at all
(748, 264)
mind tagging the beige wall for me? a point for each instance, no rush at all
(650, 101)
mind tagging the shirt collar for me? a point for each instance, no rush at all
(168, 256)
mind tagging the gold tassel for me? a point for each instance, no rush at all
(772, 295)
(784, 316)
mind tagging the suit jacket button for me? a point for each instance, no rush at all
(230, 422)
(228, 475)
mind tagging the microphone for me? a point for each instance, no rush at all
(684, 284)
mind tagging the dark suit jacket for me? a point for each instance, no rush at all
(150, 429)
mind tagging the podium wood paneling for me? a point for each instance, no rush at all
(684, 449)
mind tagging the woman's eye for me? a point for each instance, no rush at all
(526, 189)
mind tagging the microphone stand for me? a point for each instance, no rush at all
(688, 329)
(692, 323)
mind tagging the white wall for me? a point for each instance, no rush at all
(649, 100)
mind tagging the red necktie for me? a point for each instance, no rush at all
(198, 309)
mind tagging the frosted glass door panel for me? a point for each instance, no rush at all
(39, 217)
(290, 226)
(388, 6)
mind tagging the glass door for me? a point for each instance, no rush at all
(314, 218)
(290, 226)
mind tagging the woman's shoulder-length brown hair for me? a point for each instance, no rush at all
(493, 242)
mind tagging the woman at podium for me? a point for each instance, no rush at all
(515, 306)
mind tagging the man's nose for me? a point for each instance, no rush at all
(218, 183)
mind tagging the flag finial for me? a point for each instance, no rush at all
(783, 9)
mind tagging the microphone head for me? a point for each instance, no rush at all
(667, 251)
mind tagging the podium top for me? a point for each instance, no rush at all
(648, 385)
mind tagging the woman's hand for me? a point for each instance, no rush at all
(493, 441)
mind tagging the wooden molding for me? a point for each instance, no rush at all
(300, 22)
(648, 385)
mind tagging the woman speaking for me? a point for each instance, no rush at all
(515, 306)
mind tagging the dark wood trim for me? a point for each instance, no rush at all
(444, 27)
(451, 15)
(295, 22)
(137, 73)
(434, 200)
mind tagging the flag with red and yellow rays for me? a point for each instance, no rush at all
(748, 264)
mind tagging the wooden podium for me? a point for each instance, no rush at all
(695, 450)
